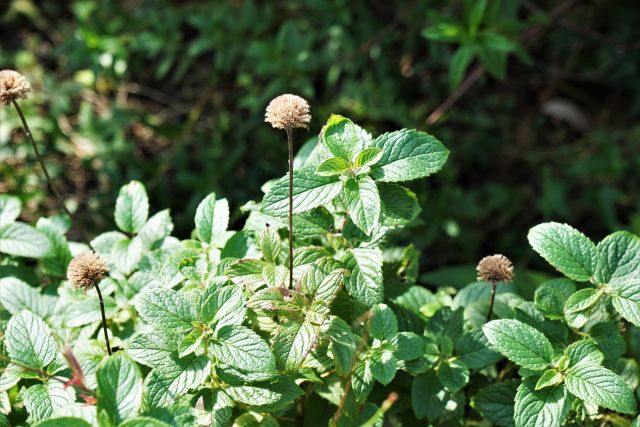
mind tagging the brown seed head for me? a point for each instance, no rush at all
(13, 85)
(494, 269)
(287, 112)
(86, 270)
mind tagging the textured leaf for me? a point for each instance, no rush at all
(628, 309)
(332, 166)
(152, 348)
(266, 397)
(428, 397)
(626, 298)
(495, 403)
(368, 157)
(342, 137)
(132, 207)
(293, 342)
(29, 341)
(144, 422)
(383, 324)
(156, 228)
(365, 282)
(383, 366)
(23, 240)
(551, 295)
(565, 248)
(165, 384)
(243, 349)
(408, 346)
(584, 351)
(119, 387)
(222, 305)
(608, 339)
(549, 378)
(212, 218)
(547, 407)
(408, 154)
(309, 191)
(50, 399)
(63, 422)
(344, 343)
(578, 307)
(270, 244)
(166, 309)
(363, 203)
(520, 343)
(474, 350)
(399, 205)
(10, 208)
(453, 375)
(362, 380)
(599, 385)
(16, 296)
(618, 258)
(126, 254)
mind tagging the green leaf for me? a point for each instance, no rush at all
(322, 281)
(266, 398)
(344, 343)
(212, 218)
(577, 307)
(520, 343)
(132, 207)
(428, 398)
(362, 380)
(342, 137)
(460, 62)
(608, 339)
(618, 258)
(551, 296)
(119, 387)
(363, 203)
(270, 244)
(497, 42)
(365, 282)
(534, 408)
(626, 298)
(10, 208)
(408, 155)
(58, 259)
(293, 342)
(144, 422)
(166, 383)
(584, 351)
(453, 375)
(243, 349)
(599, 385)
(495, 403)
(63, 422)
(474, 350)
(409, 346)
(383, 324)
(29, 341)
(126, 254)
(222, 305)
(566, 249)
(398, 205)
(332, 166)
(166, 309)
(152, 348)
(23, 240)
(368, 157)
(309, 191)
(46, 400)
(476, 15)
(383, 366)
(156, 228)
(17, 295)
(443, 32)
(549, 378)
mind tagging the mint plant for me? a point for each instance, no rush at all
(208, 330)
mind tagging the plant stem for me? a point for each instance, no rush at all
(290, 143)
(63, 206)
(491, 300)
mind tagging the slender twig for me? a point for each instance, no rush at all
(63, 206)
(491, 300)
(290, 142)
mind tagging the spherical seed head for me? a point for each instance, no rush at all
(13, 85)
(87, 270)
(287, 112)
(494, 269)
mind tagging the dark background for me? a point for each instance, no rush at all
(544, 125)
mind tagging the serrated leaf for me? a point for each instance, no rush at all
(17, 295)
(344, 343)
(599, 385)
(222, 305)
(383, 324)
(243, 349)
(549, 378)
(520, 343)
(10, 207)
(365, 281)
(453, 375)
(119, 387)
(577, 308)
(342, 137)
(156, 228)
(398, 205)
(626, 298)
(309, 191)
(152, 348)
(144, 422)
(368, 157)
(212, 218)
(363, 203)
(607, 337)
(126, 254)
(166, 309)
(409, 346)
(46, 400)
(312, 223)
(132, 207)
(292, 343)
(474, 350)
(618, 258)
(270, 244)
(495, 403)
(383, 365)
(428, 398)
(23, 240)
(362, 380)
(408, 155)
(165, 384)
(266, 397)
(566, 249)
(321, 282)
(29, 341)
(59, 257)
(547, 407)
(63, 422)
(332, 166)
(584, 351)
(551, 296)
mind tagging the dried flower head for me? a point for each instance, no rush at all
(86, 270)
(13, 85)
(287, 112)
(494, 269)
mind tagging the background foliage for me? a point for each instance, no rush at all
(173, 94)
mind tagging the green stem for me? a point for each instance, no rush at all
(290, 143)
(491, 301)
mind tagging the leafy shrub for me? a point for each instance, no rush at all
(206, 330)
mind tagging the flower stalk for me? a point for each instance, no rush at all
(494, 269)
